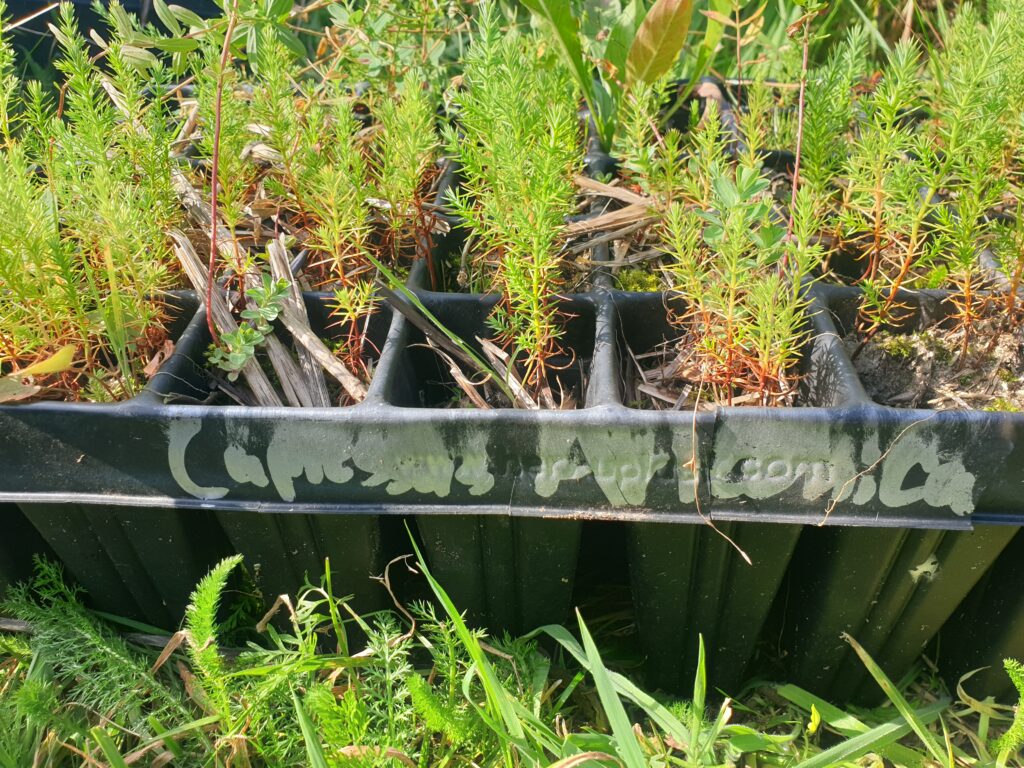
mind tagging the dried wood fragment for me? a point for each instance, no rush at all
(300, 330)
(607, 190)
(498, 359)
(281, 270)
(257, 380)
(623, 217)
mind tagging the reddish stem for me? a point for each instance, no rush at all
(211, 270)
(800, 124)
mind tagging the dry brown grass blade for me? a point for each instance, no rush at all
(305, 337)
(585, 757)
(282, 600)
(609, 190)
(460, 378)
(173, 643)
(623, 217)
(257, 380)
(281, 270)
(498, 359)
(607, 237)
(288, 373)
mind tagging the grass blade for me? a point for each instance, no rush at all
(873, 740)
(498, 699)
(107, 746)
(654, 709)
(845, 723)
(314, 752)
(899, 701)
(622, 729)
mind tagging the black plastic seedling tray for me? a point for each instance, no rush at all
(987, 628)
(486, 486)
(19, 542)
(404, 450)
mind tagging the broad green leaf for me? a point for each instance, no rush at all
(279, 9)
(186, 16)
(750, 742)
(252, 42)
(291, 41)
(166, 17)
(138, 57)
(58, 362)
(558, 13)
(659, 40)
(621, 36)
(175, 44)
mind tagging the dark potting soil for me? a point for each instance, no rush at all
(923, 370)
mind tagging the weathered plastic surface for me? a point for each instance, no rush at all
(141, 563)
(18, 543)
(405, 450)
(987, 628)
(144, 563)
(890, 590)
(507, 573)
(689, 581)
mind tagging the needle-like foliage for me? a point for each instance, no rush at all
(518, 141)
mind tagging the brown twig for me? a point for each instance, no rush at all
(218, 101)
(801, 101)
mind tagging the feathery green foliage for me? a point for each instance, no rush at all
(88, 199)
(76, 687)
(518, 144)
(1013, 739)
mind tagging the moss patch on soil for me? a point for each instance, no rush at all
(924, 370)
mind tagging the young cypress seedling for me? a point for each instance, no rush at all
(84, 254)
(518, 141)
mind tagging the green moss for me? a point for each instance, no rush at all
(1002, 404)
(1007, 376)
(937, 347)
(897, 346)
(639, 280)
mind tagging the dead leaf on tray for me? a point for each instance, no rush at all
(12, 390)
(609, 190)
(13, 387)
(631, 214)
(159, 358)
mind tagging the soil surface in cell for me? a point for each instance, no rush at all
(924, 370)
